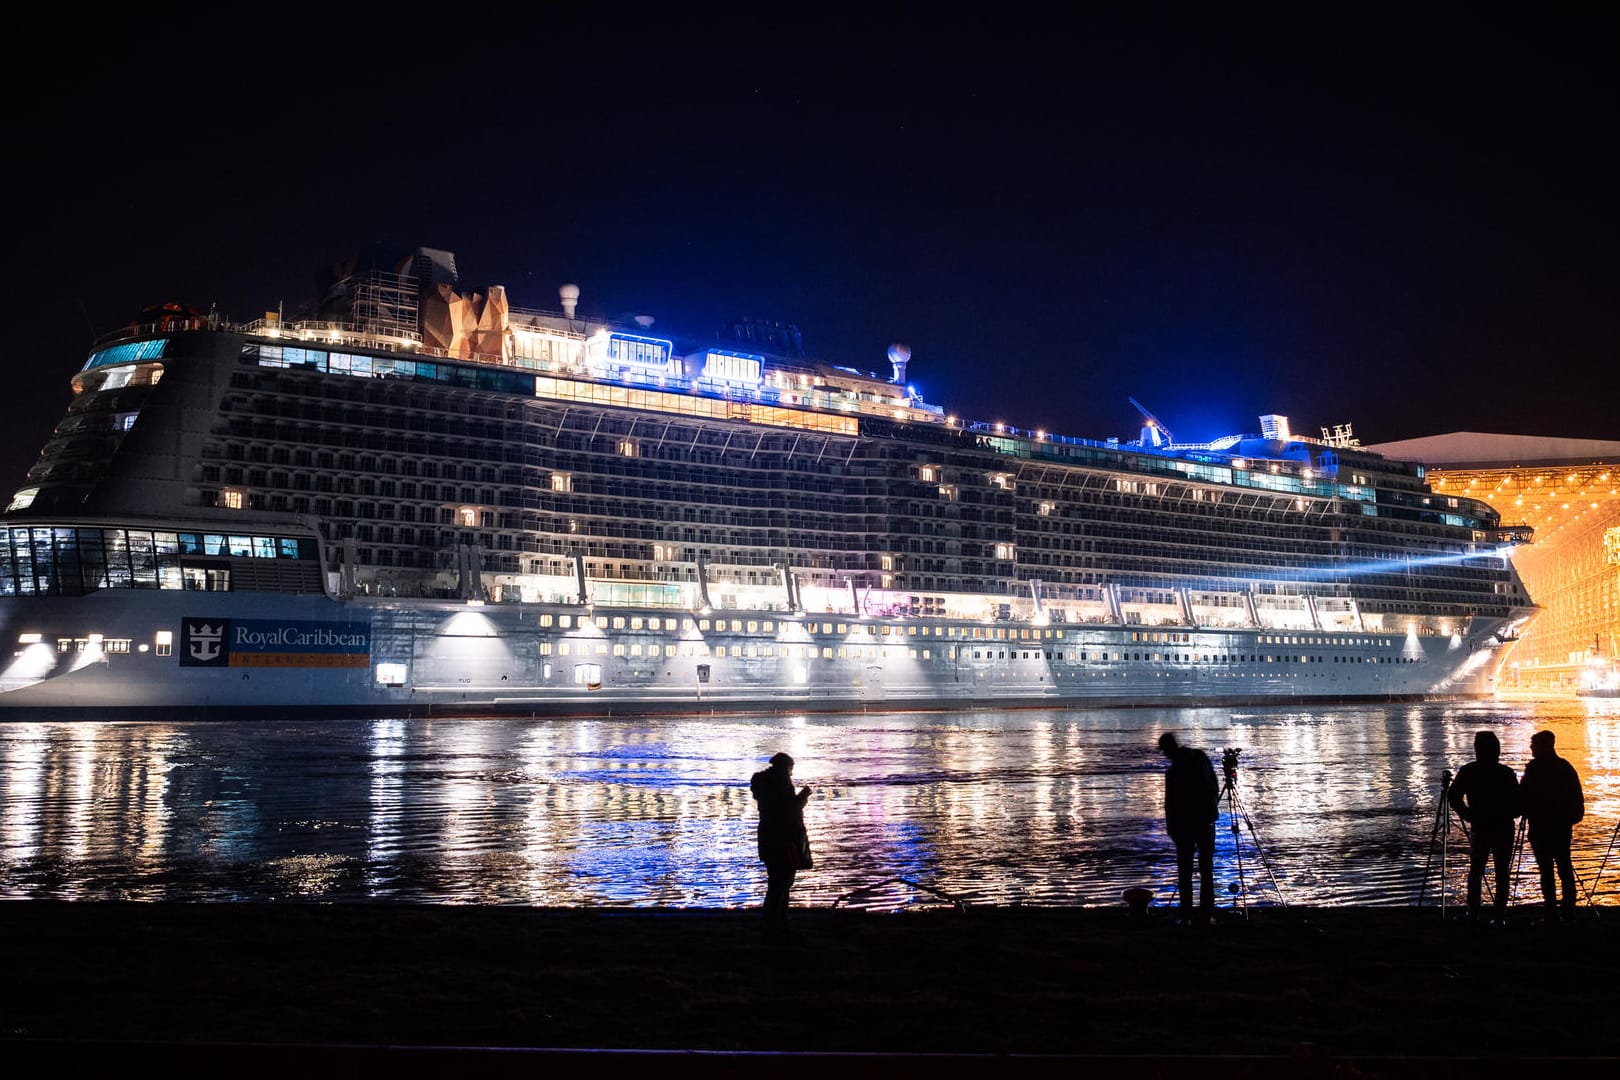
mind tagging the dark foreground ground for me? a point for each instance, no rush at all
(272, 989)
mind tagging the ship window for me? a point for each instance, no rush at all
(391, 674)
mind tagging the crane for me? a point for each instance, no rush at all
(1154, 433)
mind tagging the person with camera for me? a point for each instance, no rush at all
(784, 844)
(1553, 806)
(1192, 803)
(1485, 795)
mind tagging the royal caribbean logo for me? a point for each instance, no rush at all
(273, 643)
(205, 642)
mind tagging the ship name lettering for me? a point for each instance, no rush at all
(286, 636)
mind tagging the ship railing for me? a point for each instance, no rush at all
(328, 333)
(149, 329)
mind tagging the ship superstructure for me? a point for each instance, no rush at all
(418, 499)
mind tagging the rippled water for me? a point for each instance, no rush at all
(1337, 805)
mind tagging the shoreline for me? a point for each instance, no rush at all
(1282, 984)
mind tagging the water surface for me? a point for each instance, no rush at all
(1333, 805)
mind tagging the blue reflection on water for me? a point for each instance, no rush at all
(1339, 805)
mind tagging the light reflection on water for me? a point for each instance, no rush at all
(1340, 805)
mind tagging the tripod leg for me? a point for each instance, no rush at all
(1261, 852)
(1242, 901)
(1592, 893)
(1591, 890)
(1516, 859)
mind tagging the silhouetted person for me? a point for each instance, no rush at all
(1192, 802)
(1485, 794)
(1553, 804)
(784, 845)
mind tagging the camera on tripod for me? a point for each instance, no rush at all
(1229, 760)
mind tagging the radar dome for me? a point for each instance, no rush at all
(898, 355)
(569, 294)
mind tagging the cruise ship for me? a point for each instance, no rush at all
(414, 499)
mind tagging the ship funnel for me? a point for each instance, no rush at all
(898, 355)
(1275, 428)
(570, 299)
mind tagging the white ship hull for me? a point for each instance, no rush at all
(450, 658)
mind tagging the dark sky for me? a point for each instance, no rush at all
(1403, 223)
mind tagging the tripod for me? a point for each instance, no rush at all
(1235, 812)
(1442, 833)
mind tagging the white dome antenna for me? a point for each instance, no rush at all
(898, 356)
(569, 294)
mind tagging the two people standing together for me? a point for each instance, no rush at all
(1488, 796)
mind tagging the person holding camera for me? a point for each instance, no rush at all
(1192, 803)
(1485, 795)
(784, 844)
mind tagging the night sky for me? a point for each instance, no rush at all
(1402, 223)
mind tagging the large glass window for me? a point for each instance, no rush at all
(65, 560)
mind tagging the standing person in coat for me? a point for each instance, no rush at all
(784, 845)
(1553, 806)
(1192, 802)
(1485, 794)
